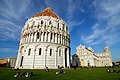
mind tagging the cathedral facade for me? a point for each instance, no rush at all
(86, 57)
(45, 42)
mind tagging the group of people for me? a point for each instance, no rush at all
(60, 70)
(24, 74)
(110, 70)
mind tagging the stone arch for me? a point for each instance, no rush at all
(58, 47)
(47, 46)
(29, 47)
(50, 55)
(50, 47)
(21, 49)
(60, 51)
(26, 47)
(37, 45)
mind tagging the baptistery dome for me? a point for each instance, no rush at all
(44, 42)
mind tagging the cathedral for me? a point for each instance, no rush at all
(86, 57)
(44, 42)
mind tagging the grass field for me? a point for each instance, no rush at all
(78, 74)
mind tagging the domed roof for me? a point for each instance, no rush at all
(47, 12)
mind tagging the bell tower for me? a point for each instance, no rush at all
(107, 50)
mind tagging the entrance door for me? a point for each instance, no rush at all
(21, 61)
(65, 57)
(82, 63)
(76, 63)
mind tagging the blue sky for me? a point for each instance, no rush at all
(94, 23)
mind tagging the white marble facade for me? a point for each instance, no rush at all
(86, 57)
(45, 42)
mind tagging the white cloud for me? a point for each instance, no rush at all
(11, 13)
(73, 8)
(106, 29)
(73, 24)
(7, 50)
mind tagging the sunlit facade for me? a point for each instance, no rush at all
(86, 57)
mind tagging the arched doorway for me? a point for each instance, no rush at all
(21, 57)
(21, 62)
(76, 63)
(65, 57)
(82, 63)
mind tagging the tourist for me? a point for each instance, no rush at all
(30, 74)
(58, 67)
(27, 74)
(23, 74)
(47, 69)
(17, 74)
(108, 71)
(61, 72)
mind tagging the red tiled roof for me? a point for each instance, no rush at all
(47, 12)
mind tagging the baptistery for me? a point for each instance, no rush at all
(44, 42)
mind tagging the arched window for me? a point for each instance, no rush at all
(29, 51)
(38, 35)
(50, 23)
(50, 52)
(59, 52)
(27, 26)
(33, 22)
(40, 51)
(42, 22)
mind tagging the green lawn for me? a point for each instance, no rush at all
(78, 74)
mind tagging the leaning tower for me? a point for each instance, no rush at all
(106, 50)
(44, 42)
(107, 56)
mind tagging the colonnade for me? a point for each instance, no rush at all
(45, 37)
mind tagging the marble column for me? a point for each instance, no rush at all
(31, 38)
(58, 38)
(39, 36)
(63, 55)
(55, 38)
(56, 54)
(45, 54)
(45, 37)
(68, 58)
(61, 39)
(28, 38)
